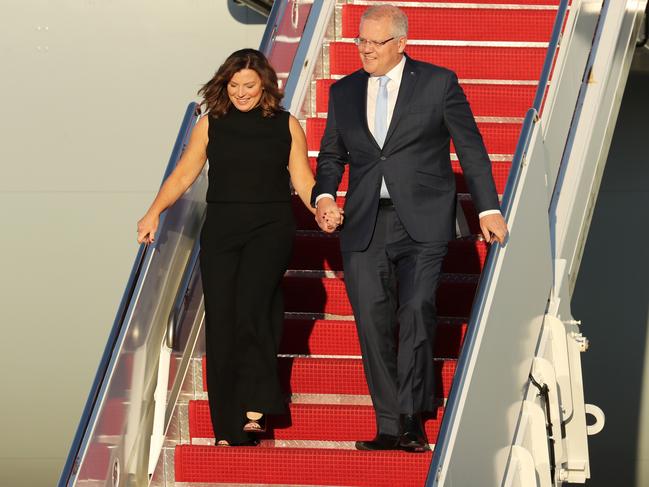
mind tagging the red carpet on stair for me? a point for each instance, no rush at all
(338, 337)
(300, 466)
(486, 100)
(499, 137)
(310, 422)
(494, 24)
(468, 62)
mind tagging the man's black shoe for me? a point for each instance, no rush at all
(413, 439)
(380, 442)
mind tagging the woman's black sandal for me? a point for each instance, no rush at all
(250, 442)
(255, 425)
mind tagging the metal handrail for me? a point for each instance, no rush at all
(133, 286)
(488, 273)
(271, 26)
(306, 55)
(551, 54)
(180, 303)
(70, 466)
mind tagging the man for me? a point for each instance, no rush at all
(392, 122)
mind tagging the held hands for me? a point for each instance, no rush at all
(493, 227)
(146, 228)
(328, 216)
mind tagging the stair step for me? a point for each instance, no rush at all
(299, 466)
(113, 417)
(307, 375)
(499, 137)
(465, 24)
(471, 216)
(328, 295)
(284, 47)
(499, 169)
(316, 251)
(487, 100)
(317, 422)
(305, 221)
(303, 217)
(320, 337)
(322, 251)
(468, 62)
(98, 461)
(330, 337)
(344, 182)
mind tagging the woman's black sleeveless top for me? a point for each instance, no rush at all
(248, 157)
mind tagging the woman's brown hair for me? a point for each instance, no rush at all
(215, 91)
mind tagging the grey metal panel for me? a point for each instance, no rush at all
(588, 148)
(567, 80)
(581, 170)
(500, 360)
(444, 459)
(485, 417)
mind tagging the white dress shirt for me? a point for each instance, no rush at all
(395, 75)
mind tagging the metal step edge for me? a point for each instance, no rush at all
(291, 315)
(202, 484)
(306, 444)
(336, 235)
(454, 157)
(324, 274)
(460, 43)
(460, 196)
(454, 5)
(327, 399)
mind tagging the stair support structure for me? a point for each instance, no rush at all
(568, 146)
(520, 326)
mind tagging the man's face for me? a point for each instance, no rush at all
(378, 60)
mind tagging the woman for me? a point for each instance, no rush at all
(247, 237)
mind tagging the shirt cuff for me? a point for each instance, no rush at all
(323, 195)
(488, 212)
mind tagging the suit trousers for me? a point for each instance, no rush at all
(392, 286)
(245, 250)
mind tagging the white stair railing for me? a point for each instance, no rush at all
(518, 394)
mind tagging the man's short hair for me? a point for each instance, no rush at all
(395, 14)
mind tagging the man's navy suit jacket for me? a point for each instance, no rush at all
(415, 159)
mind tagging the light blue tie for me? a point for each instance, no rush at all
(381, 122)
(381, 113)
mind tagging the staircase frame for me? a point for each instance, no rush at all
(560, 156)
(492, 414)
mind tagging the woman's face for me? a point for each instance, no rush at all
(245, 89)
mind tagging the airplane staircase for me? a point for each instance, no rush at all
(544, 80)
